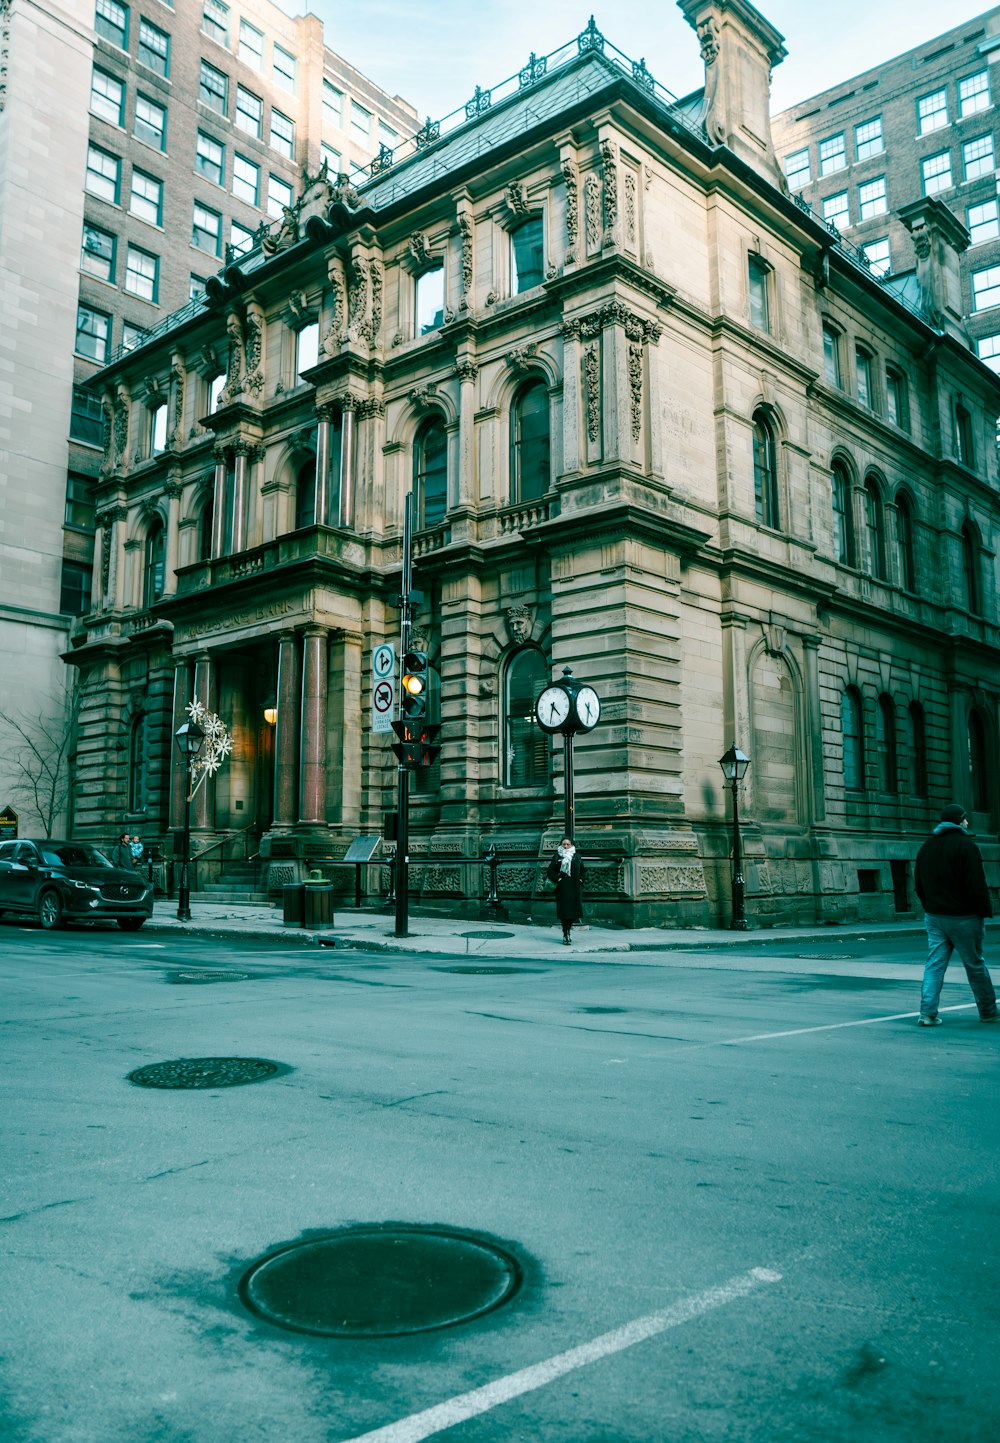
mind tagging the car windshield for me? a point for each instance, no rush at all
(72, 854)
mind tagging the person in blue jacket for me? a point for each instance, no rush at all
(951, 885)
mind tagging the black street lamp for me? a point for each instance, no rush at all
(734, 765)
(189, 737)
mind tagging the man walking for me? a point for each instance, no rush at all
(951, 884)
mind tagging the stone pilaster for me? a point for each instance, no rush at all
(312, 730)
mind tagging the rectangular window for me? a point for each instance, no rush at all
(863, 369)
(757, 284)
(306, 349)
(977, 157)
(361, 121)
(279, 194)
(146, 198)
(897, 400)
(527, 253)
(429, 300)
(868, 138)
(249, 112)
(974, 93)
(831, 355)
(215, 20)
(150, 124)
(986, 288)
(93, 333)
(142, 274)
(935, 173)
(196, 287)
(386, 134)
(964, 448)
(246, 179)
(209, 158)
(251, 47)
(284, 67)
(154, 47)
(988, 351)
(98, 256)
(832, 154)
(797, 169)
(212, 87)
(932, 112)
(837, 210)
(333, 106)
(75, 587)
(282, 134)
(107, 97)
(206, 230)
(104, 172)
(240, 239)
(111, 22)
(872, 200)
(983, 222)
(80, 504)
(333, 158)
(86, 418)
(132, 336)
(879, 256)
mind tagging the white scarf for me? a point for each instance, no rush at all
(566, 855)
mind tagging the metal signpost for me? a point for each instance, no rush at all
(383, 687)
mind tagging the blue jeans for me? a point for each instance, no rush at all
(963, 935)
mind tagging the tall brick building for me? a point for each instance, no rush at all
(141, 144)
(923, 124)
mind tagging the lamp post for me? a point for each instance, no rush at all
(734, 765)
(189, 737)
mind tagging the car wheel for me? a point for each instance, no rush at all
(50, 910)
(130, 924)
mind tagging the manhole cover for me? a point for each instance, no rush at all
(185, 1072)
(488, 971)
(380, 1282)
(208, 977)
(486, 936)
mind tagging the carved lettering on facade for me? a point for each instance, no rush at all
(270, 612)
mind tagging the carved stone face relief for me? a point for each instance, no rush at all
(518, 624)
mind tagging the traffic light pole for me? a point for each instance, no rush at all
(403, 837)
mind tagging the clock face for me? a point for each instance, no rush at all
(588, 707)
(552, 708)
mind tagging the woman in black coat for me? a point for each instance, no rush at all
(566, 871)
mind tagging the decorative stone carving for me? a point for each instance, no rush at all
(570, 176)
(519, 358)
(121, 425)
(372, 406)
(592, 188)
(516, 200)
(465, 227)
(774, 638)
(176, 425)
(105, 562)
(375, 328)
(518, 620)
(609, 161)
(635, 389)
(344, 192)
(637, 328)
(108, 408)
(467, 371)
(708, 36)
(423, 397)
(631, 212)
(359, 291)
(592, 379)
(254, 378)
(420, 250)
(285, 236)
(487, 686)
(234, 369)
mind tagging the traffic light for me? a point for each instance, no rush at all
(416, 746)
(413, 684)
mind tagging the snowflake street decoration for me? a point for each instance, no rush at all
(214, 749)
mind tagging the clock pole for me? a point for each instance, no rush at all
(568, 783)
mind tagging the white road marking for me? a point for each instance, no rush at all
(492, 1395)
(835, 1026)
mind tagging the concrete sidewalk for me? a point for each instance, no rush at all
(372, 931)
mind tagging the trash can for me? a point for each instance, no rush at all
(318, 906)
(293, 900)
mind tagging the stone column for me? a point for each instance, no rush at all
(348, 462)
(96, 581)
(467, 373)
(312, 780)
(116, 588)
(178, 774)
(173, 490)
(345, 732)
(816, 789)
(219, 503)
(286, 750)
(958, 745)
(571, 397)
(322, 465)
(203, 806)
(239, 542)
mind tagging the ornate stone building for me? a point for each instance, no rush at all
(661, 425)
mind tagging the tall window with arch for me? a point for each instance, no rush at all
(972, 588)
(206, 523)
(530, 443)
(844, 546)
(137, 754)
(978, 763)
(885, 738)
(154, 572)
(852, 733)
(765, 471)
(430, 473)
(305, 496)
(916, 746)
(875, 528)
(905, 543)
(526, 746)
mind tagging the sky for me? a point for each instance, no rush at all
(435, 52)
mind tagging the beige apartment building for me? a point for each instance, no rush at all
(141, 145)
(661, 425)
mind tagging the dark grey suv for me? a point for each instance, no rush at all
(60, 882)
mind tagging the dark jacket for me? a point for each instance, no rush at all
(121, 856)
(949, 875)
(569, 890)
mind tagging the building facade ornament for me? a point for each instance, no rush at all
(122, 408)
(708, 38)
(176, 424)
(609, 163)
(571, 178)
(635, 362)
(253, 381)
(234, 367)
(592, 379)
(466, 228)
(631, 212)
(371, 406)
(592, 189)
(519, 358)
(519, 622)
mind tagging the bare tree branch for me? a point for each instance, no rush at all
(38, 756)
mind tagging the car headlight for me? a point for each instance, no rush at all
(83, 886)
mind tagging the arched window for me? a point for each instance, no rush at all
(155, 565)
(137, 764)
(904, 542)
(844, 548)
(430, 473)
(305, 496)
(978, 790)
(885, 737)
(765, 471)
(875, 528)
(205, 523)
(851, 715)
(971, 581)
(530, 443)
(916, 738)
(526, 746)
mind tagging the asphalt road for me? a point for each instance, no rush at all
(751, 1200)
